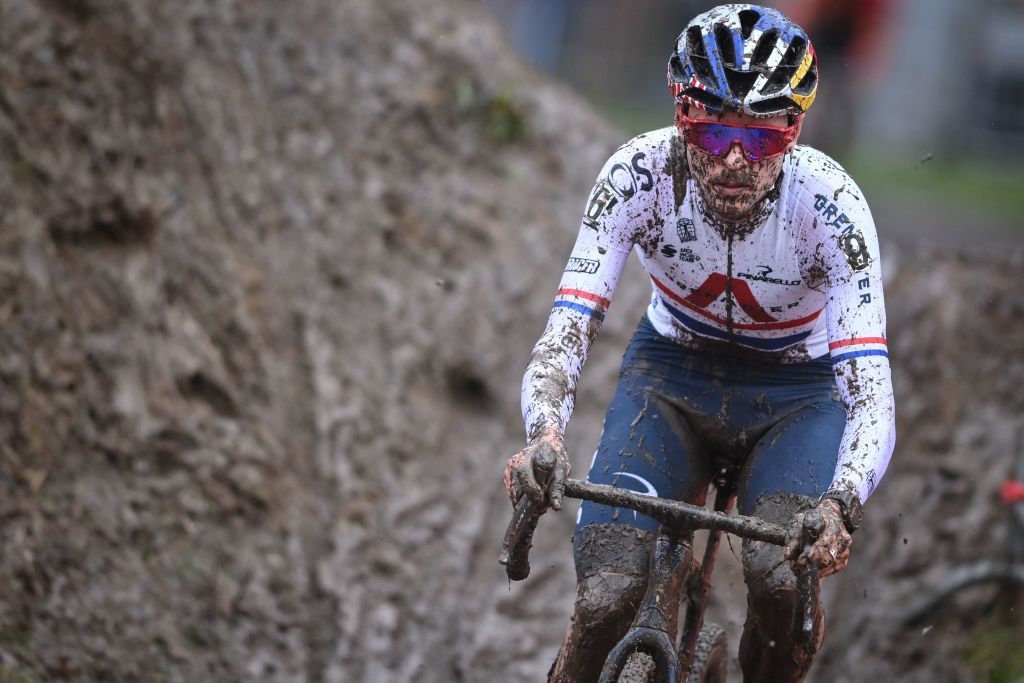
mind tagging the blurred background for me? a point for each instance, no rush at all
(921, 100)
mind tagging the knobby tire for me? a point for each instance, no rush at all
(709, 658)
(639, 668)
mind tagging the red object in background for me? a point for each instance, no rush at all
(853, 31)
(1012, 492)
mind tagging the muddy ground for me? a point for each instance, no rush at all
(270, 275)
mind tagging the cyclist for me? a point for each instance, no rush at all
(762, 350)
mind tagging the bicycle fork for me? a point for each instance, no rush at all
(657, 622)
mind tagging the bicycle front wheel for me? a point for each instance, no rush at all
(709, 659)
(639, 668)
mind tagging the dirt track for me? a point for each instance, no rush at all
(269, 282)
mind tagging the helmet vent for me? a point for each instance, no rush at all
(699, 56)
(808, 82)
(740, 82)
(695, 42)
(787, 67)
(775, 105)
(712, 102)
(748, 19)
(763, 50)
(795, 54)
(675, 69)
(723, 37)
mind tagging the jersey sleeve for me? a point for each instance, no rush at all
(606, 235)
(846, 260)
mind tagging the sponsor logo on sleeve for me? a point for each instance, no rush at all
(582, 265)
(602, 199)
(642, 171)
(622, 182)
(851, 239)
(856, 250)
(834, 218)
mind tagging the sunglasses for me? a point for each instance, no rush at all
(758, 142)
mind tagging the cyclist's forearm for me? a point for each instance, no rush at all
(549, 384)
(870, 433)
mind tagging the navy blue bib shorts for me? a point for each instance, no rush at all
(680, 416)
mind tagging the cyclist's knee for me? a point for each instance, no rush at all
(611, 570)
(605, 606)
(769, 649)
(611, 548)
(607, 601)
(764, 567)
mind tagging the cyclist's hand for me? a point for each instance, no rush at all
(830, 549)
(525, 473)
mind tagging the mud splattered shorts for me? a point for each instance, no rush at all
(679, 416)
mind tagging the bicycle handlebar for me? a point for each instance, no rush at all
(677, 513)
(672, 513)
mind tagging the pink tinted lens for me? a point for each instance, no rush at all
(757, 141)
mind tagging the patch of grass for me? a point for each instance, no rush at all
(504, 121)
(982, 186)
(15, 635)
(17, 674)
(994, 653)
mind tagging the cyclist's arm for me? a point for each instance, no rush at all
(583, 297)
(855, 316)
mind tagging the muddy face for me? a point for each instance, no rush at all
(732, 185)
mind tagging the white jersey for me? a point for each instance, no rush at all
(800, 280)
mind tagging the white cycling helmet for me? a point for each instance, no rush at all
(744, 58)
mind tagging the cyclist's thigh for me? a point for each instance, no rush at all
(646, 446)
(798, 455)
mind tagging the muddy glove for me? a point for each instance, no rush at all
(530, 472)
(830, 550)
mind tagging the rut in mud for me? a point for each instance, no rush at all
(270, 277)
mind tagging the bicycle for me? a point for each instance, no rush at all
(649, 652)
(1008, 573)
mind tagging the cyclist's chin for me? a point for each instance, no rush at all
(734, 206)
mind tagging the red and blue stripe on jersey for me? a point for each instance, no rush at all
(858, 347)
(583, 302)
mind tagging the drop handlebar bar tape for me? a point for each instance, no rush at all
(515, 550)
(519, 535)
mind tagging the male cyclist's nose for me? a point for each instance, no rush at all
(734, 157)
